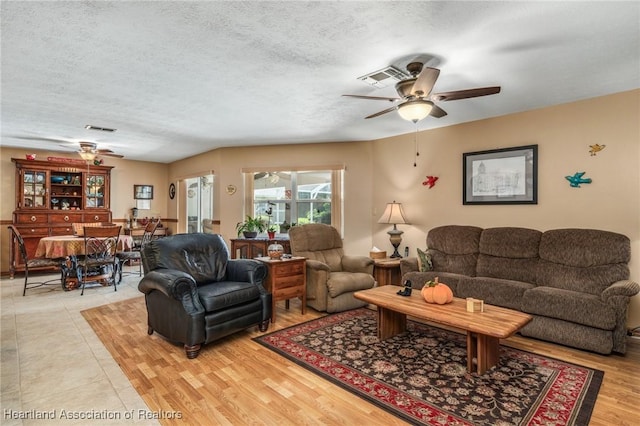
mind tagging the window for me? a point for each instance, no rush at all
(284, 198)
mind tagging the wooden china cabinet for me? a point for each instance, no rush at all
(52, 195)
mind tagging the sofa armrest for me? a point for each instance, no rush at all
(621, 288)
(408, 264)
(175, 284)
(246, 270)
(357, 264)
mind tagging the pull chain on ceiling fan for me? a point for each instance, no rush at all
(415, 142)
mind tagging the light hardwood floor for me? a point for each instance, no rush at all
(257, 386)
(51, 358)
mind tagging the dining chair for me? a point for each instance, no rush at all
(134, 253)
(100, 262)
(36, 262)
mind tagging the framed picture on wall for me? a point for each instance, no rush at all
(143, 204)
(143, 192)
(501, 176)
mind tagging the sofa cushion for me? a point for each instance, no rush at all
(572, 306)
(347, 282)
(454, 248)
(583, 260)
(593, 280)
(224, 294)
(509, 253)
(584, 247)
(494, 291)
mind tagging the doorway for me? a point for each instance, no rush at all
(199, 202)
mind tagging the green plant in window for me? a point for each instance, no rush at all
(251, 224)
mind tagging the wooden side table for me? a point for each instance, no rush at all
(387, 271)
(286, 279)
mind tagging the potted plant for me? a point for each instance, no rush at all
(271, 231)
(251, 227)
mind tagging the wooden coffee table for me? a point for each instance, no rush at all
(484, 329)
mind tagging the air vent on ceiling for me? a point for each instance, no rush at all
(385, 77)
(104, 129)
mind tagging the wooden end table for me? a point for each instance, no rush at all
(287, 278)
(387, 271)
(484, 329)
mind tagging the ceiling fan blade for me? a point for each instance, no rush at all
(437, 112)
(69, 147)
(375, 98)
(425, 82)
(379, 113)
(107, 154)
(42, 138)
(465, 94)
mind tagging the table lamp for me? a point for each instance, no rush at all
(393, 214)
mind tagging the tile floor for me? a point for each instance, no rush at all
(53, 364)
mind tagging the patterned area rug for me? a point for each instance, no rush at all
(421, 375)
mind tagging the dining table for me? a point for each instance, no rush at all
(63, 246)
(67, 248)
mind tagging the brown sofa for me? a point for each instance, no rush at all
(574, 282)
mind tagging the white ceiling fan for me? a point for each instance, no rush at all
(83, 148)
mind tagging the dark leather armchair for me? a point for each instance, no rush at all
(195, 294)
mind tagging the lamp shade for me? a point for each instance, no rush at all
(393, 214)
(415, 110)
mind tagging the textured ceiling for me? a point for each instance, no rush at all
(181, 78)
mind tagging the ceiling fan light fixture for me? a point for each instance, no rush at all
(415, 110)
(87, 155)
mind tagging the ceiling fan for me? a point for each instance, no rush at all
(85, 149)
(91, 148)
(417, 101)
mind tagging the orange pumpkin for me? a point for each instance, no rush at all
(437, 292)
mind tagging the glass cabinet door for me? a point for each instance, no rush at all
(34, 189)
(66, 190)
(95, 197)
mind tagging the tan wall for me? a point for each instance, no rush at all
(228, 163)
(382, 171)
(563, 135)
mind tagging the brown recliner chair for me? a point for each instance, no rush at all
(332, 276)
(195, 294)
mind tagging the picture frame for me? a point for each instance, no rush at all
(143, 204)
(143, 192)
(501, 176)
